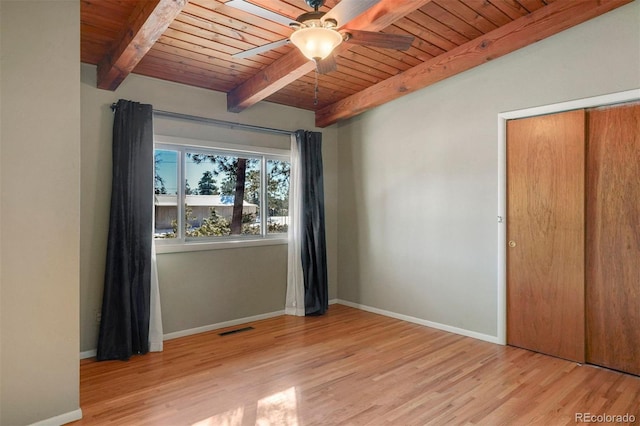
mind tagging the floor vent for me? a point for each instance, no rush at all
(239, 330)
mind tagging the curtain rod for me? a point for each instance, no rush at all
(217, 122)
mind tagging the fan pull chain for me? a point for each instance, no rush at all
(315, 89)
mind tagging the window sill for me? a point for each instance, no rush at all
(217, 245)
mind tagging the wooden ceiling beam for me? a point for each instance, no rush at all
(294, 65)
(146, 24)
(547, 21)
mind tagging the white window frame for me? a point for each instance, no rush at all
(183, 145)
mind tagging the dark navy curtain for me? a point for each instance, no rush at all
(314, 249)
(124, 327)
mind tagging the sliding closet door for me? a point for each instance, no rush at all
(545, 232)
(613, 238)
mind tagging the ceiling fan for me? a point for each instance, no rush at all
(318, 33)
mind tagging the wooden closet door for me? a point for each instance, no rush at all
(545, 233)
(613, 238)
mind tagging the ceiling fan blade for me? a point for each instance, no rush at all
(259, 11)
(327, 65)
(374, 39)
(264, 48)
(346, 10)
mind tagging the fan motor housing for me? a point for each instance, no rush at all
(309, 16)
(315, 4)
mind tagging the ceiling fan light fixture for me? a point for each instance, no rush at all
(315, 39)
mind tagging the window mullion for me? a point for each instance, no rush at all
(181, 195)
(263, 196)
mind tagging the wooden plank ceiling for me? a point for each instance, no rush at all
(191, 42)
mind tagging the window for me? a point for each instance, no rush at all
(226, 194)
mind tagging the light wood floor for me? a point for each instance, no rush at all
(348, 367)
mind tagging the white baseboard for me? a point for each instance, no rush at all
(62, 419)
(436, 325)
(231, 323)
(153, 347)
(444, 327)
(88, 354)
(91, 353)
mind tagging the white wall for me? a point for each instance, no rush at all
(40, 171)
(418, 192)
(197, 289)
